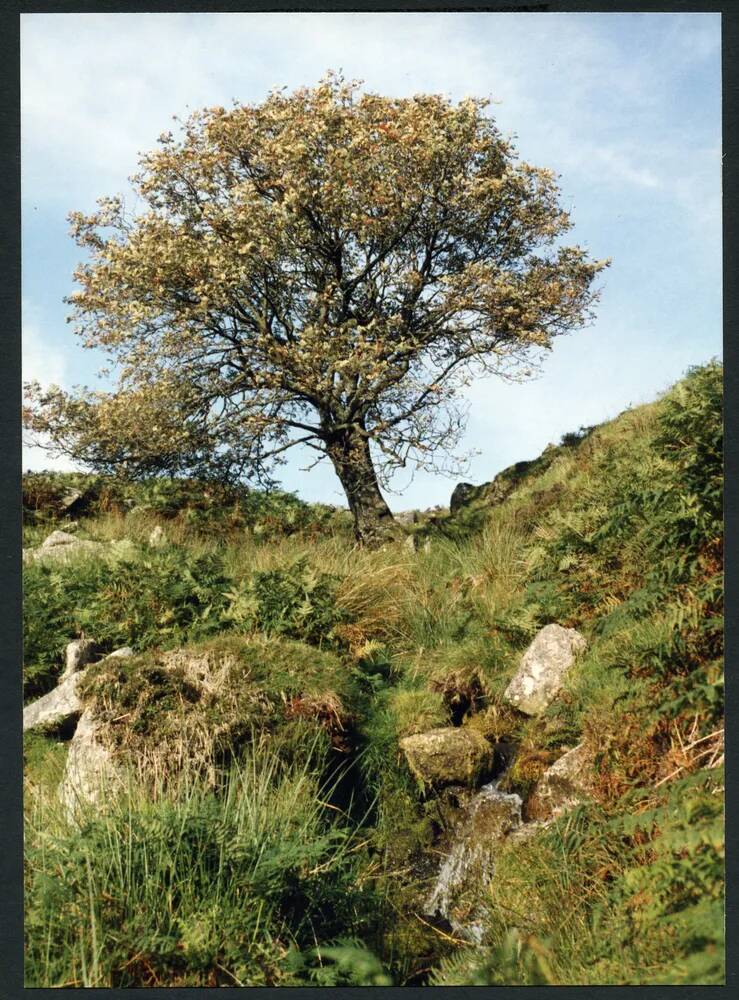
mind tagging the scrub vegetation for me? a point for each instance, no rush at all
(268, 831)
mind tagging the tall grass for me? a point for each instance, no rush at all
(190, 886)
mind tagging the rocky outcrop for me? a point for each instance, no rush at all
(563, 786)
(410, 542)
(123, 653)
(90, 772)
(63, 705)
(56, 708)
(57, 538)
(77, 655)
(406, 517)
(448, 756)
(543, 667)
(76, 502)
(60, 546)
(461, 495)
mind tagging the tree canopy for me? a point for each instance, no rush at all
(327, 268)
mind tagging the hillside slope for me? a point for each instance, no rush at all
(617, 533)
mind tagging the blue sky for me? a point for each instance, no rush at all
(625, 107)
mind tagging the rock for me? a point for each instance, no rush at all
(55, 708)
(90, 772)
(77, 655)
(461, 494)
(60, 545)
(124, 653)
(542, 669)
(77, 502)
(70, 499)
(563, 786)
(495, 492)
(448, 756)
(59, 538)
(406, 517)
(411, 543)
(157, 538)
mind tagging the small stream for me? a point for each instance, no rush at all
(489, 816)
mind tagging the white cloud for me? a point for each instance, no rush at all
(41, 362)
(40, 359)
(99, 88)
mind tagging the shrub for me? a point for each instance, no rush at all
(598, 900)
(198, 504)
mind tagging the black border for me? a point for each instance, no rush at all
(11, 832)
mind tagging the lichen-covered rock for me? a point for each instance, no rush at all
(76, 502)
(58, 538)
(123, 653)
(90, 773)
(543, 666)
(61, 546)
(56, 707)
(77, 655)
(563, 786)
(448, 756)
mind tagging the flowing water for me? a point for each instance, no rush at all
(486, 820)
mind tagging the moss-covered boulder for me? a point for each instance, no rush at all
(199, 704)
(451, 756)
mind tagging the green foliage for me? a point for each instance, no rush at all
(44, 759)
(195, 888)
(691, 437)
(347, 962)
(617, 532)
(517, 959)
(633, 898)
(156, 598)
(296, 602)
(43, 493)
(51, 599)
(674, 884)
(148, 598)
(199, 505)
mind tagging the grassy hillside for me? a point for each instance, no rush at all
(271, 833)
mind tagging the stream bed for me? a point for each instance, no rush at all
(486, 818)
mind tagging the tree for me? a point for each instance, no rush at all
(327, 268)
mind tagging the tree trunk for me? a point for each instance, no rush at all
(373, 520)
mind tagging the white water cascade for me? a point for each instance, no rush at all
(490, 816)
